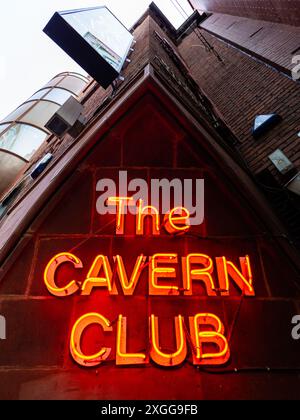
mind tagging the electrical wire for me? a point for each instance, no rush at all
(182, 8)
(208, 47)
(175, 4)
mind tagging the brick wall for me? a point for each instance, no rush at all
(276, 44)
(243, 88)
(283, 11)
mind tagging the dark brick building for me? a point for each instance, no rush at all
(185, 110)
(257, 41)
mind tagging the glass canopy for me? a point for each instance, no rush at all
(104, 32)
(94, 38)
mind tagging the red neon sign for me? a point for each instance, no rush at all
(200, 332)
(160, 266)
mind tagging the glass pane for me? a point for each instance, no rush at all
(80, 76)
(3, 127)
(22, 140)
(104, 32)
(54, 81)
(73, 84)
(39, 94)
(59, 96)
(84, 78)
(41, 113)
(18, 112)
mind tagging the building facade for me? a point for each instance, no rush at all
(204, 314)
(258, 42)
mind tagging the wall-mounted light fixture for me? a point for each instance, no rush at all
(264, 123)
(65, 117)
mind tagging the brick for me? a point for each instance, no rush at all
(286, 281)
(158, 149)
(242, 89)
(262, 334)
(14, 280)
(106, 152)
(155, 384)
(76, 198)
(37, 332)
(245, 385)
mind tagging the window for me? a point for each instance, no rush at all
(73, 73)
(23, 140)
(103, 32)
(74, 84)
(39, 94)
(40, 114)
(54, 81)
(56, 95)
(80, 76)
(18, 112)
(60, 96)
(3, 127)
(95, 39)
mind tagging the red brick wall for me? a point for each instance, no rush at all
(282, 11)
(274, 43)
(243, 88)
(150, 141)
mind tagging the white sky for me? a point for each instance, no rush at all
(29, 59)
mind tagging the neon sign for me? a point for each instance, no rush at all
(101, 275)
(203, 333)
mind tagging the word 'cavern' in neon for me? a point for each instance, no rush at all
(205, 337)
(163, 272)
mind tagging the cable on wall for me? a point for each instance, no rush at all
(208, 47)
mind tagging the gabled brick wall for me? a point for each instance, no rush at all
(152, 141)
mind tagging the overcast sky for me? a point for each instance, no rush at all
(29, 59)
